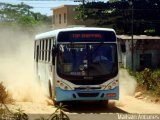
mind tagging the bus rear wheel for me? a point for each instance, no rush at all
(56, 103)
(50, 90)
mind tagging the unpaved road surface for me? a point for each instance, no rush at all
(95, 110)
(133, 105)
(127, 100)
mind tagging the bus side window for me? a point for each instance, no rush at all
(46, 49)
(49, 50)
(34, 50)
(37, 53)
(53, 50)
(42, 50)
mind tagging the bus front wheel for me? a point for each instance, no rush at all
(104, 103)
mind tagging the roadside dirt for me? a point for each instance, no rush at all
(134, 101)
(133, 105)
(33, 108)
(142, 94)
(127, 103)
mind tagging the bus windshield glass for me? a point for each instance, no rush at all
(98, 59)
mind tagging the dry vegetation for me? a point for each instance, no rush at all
(148, 87)
(5, 113)
(5, 97)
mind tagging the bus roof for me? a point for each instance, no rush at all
(55, 32)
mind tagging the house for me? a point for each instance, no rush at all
(146, 51)
(64, 16)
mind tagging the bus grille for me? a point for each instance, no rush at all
(88, 94)
(84, 88)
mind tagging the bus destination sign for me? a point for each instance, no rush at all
(86, 36)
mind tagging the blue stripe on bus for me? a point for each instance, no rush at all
(70, 95)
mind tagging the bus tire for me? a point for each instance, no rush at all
(105, 103)
(56, 103)
(50, 90)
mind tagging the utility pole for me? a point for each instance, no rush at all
(132, 43)
(132, 40)
(83, 2)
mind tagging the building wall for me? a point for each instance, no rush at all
(70, 20)
(149, 58)
(59, 17)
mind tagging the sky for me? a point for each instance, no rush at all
(43, 6)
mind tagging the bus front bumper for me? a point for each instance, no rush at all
(76, 95)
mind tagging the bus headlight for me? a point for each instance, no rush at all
(111, 85)
(63, 85)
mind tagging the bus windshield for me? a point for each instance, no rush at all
(98, 59)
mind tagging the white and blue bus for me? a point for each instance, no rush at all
(78, 64)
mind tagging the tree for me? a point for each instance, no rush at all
(21, 15)
(118, 14)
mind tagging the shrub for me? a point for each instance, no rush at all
(149, 80)
(156, 82)
(5, 112)
(4, 95)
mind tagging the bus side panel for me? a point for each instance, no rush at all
(42, 77)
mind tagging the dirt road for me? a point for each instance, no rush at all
(127, 103)
(127, 100)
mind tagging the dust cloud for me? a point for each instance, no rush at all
(17, 66)
(127, 84)
(127, 87)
